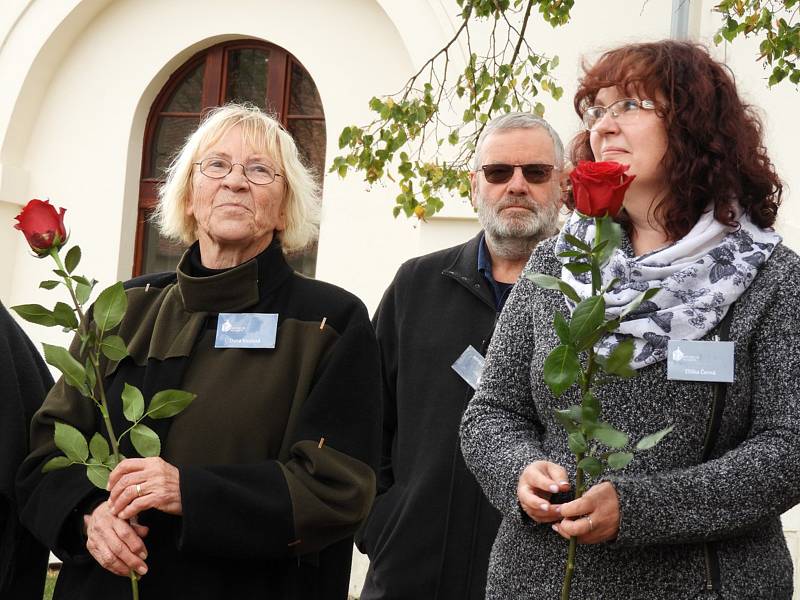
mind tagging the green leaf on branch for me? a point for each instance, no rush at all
(55, 463)
(651, 440)
(554, 283)
(132, 403)
(49, 284)
(561, 369)
(62, 360)
(591, 465)
(562, 328)
(618, 361)
(35, 313)
(619, 460)
(109, 308)
(98, 474)
(643, 297)
(613, 438)
(590, 409)
(587, 316)
(145, 440)
(71, 442)
(576, 442)
(72, 259)
(168, 403)
(64, 315)
(577, 242)
(578, 268)
(82, 293)
(114, 347)
(564, 417)
(610, 234)
(91, 377)
(98, 447)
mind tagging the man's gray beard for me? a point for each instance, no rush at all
(515, 238)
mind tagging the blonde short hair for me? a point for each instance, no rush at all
(264, 134)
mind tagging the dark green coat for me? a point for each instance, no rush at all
(267, 512)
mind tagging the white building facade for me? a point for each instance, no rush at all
(86, 94)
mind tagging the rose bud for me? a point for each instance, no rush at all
(43, 226)
(599, 187)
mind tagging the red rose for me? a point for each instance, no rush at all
(43, 226)
(599, 187)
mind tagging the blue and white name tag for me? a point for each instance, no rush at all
(470, 366)
(700, 361)
(246, 330)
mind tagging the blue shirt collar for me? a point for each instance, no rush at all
(500, 290)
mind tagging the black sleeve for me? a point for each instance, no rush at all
(24, 382)
(322, 492)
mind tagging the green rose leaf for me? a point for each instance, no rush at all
(35, 313)
(578, 243)
(55, 463)
(577, 443)
(71, 442)
(72, 259)
(591, 465)
(562, 328)
(554, 283)
(168, 403)
(587, 317)
(65, 316)
(62, 360)
(114, 347)
(145, 440)
(564, 417)
(109, 308)
(132, 403)
(91, 377)
(609, 436)
(619, 360)
(111, 462)
(49, 284)
(98, 447)
(590, 409)
(82, 293)
(578, 268)
(98, 475)
(619, 460)
(561, 369)
(644, 296)
(651, 440)
(608, 232)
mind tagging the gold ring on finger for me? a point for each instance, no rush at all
(138, 490)
(591, 525)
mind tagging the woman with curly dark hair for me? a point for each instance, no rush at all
(699, 515)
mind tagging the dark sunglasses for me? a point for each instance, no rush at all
(502, 173)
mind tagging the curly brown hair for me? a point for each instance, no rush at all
(715, 140)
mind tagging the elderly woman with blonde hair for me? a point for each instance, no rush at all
(265, 477)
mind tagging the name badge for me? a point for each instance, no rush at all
(700, 361)
(470, 366)
(246, 330)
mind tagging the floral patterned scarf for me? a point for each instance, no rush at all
(700, 276)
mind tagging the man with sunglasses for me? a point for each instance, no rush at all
(431, 529)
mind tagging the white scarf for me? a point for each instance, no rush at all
(700, 276)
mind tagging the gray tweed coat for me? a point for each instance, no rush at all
(689, 529)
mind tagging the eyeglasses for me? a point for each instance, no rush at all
(257, 173)
(502, 173)
(624, 111)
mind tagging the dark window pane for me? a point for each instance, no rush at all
(247, 77)
(188, 96)
(171, 133)
(303, 97)
(159, 254)
(309, 135)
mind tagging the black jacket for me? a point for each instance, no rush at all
(431, 529)
(269, 509)
(24, 381)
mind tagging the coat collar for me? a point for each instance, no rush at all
(464, 269)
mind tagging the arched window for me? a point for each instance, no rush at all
(244, 70)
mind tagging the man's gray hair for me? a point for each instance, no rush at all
(518, 120)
